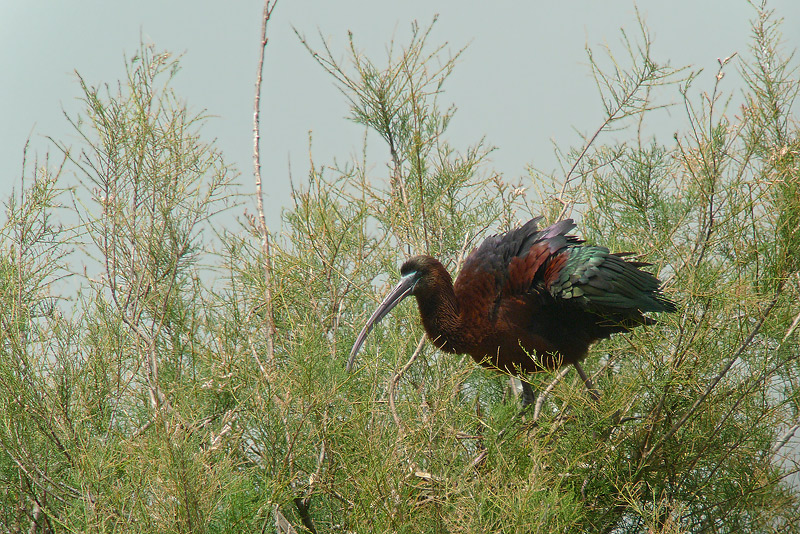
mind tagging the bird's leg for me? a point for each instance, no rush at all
(586, 380)
(528, 396)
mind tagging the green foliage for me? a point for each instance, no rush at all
(148, 400)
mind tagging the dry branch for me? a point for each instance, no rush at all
(262, 223)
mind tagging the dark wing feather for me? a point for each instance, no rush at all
(496, 255)
(601, 280)
(526, 260)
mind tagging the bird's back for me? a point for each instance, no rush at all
(542, 292)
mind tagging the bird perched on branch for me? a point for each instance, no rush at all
(527, 300)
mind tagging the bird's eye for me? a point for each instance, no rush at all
(407, 270)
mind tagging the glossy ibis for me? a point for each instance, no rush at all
(527, 300)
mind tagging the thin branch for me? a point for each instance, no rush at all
(537, 410)
(253, 346)
(282, 525)
(785, 439)
(794, 324)
(269, 6)
(716, 379)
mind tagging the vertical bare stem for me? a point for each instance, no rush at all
(262, 223)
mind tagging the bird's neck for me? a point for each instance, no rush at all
(441, 315)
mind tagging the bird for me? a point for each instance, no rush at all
(526, 301)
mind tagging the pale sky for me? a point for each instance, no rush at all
(522, 83)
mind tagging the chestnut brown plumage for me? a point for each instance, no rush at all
(526, 300)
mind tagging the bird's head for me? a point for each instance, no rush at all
(417, 275)
(424, 272)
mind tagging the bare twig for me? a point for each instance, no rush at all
(36, 513)
(282, 525)
(793, 326)
(253, 346)
(269, 6)
(785, 439)
(537, 410)
(566, 204)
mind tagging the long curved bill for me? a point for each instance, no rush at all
(403, 289)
